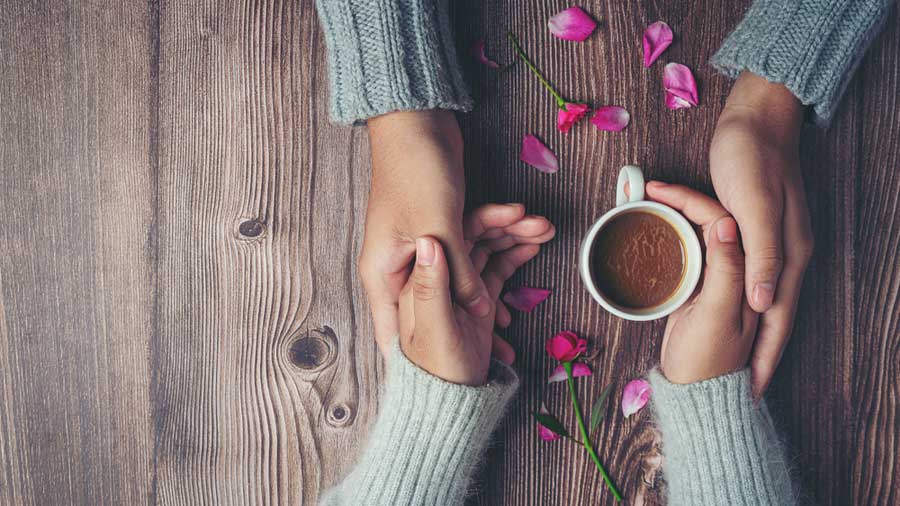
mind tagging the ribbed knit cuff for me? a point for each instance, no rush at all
(718, 447)
(810, 46)
(388, 55)
(427, 439)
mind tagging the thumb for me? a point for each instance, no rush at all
(723, 286)
(432, 303)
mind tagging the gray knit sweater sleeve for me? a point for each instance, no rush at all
(810, 46)
(388, 55)
(718, 446)
(427, 439)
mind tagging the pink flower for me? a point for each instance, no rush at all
(539, 156)
(681, 89)
(579, 369)
(572, 24)
(657, 37)
(566, 346)
(525, 298)
(570, 115)
(612, 118)
(543, 432)
(635, 396)
(478, 53)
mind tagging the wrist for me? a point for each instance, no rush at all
(769, 107)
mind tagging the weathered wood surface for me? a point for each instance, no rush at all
(180, 316)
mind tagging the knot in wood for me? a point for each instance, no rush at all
(251, 228)
(315, 350)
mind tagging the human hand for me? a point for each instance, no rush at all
(437, 334)
(418, 189)
(713, 333)
(755, 168)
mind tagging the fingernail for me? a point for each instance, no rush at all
(424, 252)
(763, 294)
(726, 230)
(479, 307)
(655, 183)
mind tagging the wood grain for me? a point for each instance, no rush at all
(77, 272)
(181, 320)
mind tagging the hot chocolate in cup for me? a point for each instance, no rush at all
(642, 259)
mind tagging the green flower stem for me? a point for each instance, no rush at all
(585, 440)
(559, 100)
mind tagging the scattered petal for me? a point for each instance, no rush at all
(611, 118)
(526, 298)
(570, 115)
(478, 53)
(539, 156)
(680, 86)
(579, 369)
(572, 24)
(565, 346)
(635, 396)
(657, 37)
(545, 433)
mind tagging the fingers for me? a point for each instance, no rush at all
(776, 324)
(695, 206)
(760, 219)
(723, 285)
(503, 265)
(503, 319)
(468, 289)
(502, 351)
(432, 303)
(490, 216)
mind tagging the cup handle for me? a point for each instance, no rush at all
(635, 179)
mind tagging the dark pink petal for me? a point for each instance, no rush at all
(572, 114)
(635, 396)
(537, 155)
(572, 24)
(545, 433)
(525, 298)
(680, 86)
(611, 118)
(657, 37)
(579, 369)
(565, 346)
(478, 53)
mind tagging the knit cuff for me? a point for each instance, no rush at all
(388, 55)
(717, 444)
(810, 46)
(427, 439)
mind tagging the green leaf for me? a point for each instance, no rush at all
(550, 421)
(597, 411)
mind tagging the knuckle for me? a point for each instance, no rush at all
(804, 246)
(767, 261)
(467, 289)
(424, 290)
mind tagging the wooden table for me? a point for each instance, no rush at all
(181, 320)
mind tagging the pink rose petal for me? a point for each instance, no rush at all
(525, 298)
(570, 115)
(537, 155)
(635, 396)
(545, 433)
(478, 53)
(572, 24)
(680, 86)
(579, 369)
(611, 118)
(657, 37)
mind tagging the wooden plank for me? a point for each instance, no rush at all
(76, 220)
(265, 364)
(875, 387)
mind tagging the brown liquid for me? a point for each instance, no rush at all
(637, 260)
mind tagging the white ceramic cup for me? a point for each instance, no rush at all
(634, 201)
